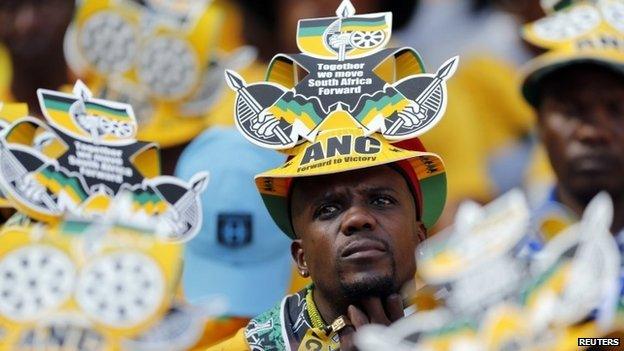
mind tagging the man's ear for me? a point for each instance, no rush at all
(422, 232)
(296, 250)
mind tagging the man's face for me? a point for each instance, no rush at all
(358, 231)
(581, 120)
(34, 27)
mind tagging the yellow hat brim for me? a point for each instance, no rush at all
(274, 185)
(534, 72)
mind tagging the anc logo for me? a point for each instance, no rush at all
(84, 157)
(88, 119)
(347, 36)
(344, 66)
(340, 146)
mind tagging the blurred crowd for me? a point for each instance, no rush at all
(524, 255)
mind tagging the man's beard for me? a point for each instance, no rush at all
(375, 286)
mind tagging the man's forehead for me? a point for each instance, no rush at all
(381, 177)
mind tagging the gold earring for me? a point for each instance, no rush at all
(304, 273)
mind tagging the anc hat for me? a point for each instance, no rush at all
(583, 33)
(342, 145)
(346, 102)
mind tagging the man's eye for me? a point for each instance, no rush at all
(326, 211)
(382, 201)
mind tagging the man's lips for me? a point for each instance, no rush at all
(363, 249)
(595, 163)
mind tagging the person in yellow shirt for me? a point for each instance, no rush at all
(31, 48)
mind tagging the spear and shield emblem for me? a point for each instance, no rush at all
(337, 70)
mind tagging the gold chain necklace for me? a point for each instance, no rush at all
(315, 316)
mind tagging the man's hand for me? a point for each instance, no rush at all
(371, 311)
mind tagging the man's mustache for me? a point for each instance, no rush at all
(365, 237)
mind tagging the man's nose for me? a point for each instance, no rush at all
(357, 219)
(594, 130)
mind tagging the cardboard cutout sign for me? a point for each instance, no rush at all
(480, 247)
(343, 65)
(479, 235)
(582, 26)
(555, 5)
(84, 285)
(161, 57)
(584, 267)
(571, 292)
(8, 114)
(182, 10)
(584, 31)
(84, 157)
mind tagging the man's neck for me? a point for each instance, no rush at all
(578, 206)
(328, 308)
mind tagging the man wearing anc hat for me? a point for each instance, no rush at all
(577, 90)
(358, 190)
(355, 227)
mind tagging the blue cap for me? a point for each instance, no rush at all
(239, 253)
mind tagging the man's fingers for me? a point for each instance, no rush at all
(375, 311)
(394, 307)
(346, 335)
(357, 317)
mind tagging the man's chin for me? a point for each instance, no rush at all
(584, 189)
(358, 286)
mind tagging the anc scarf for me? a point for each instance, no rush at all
(294, 325)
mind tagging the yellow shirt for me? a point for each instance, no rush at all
(235, 343)
(216, 331)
